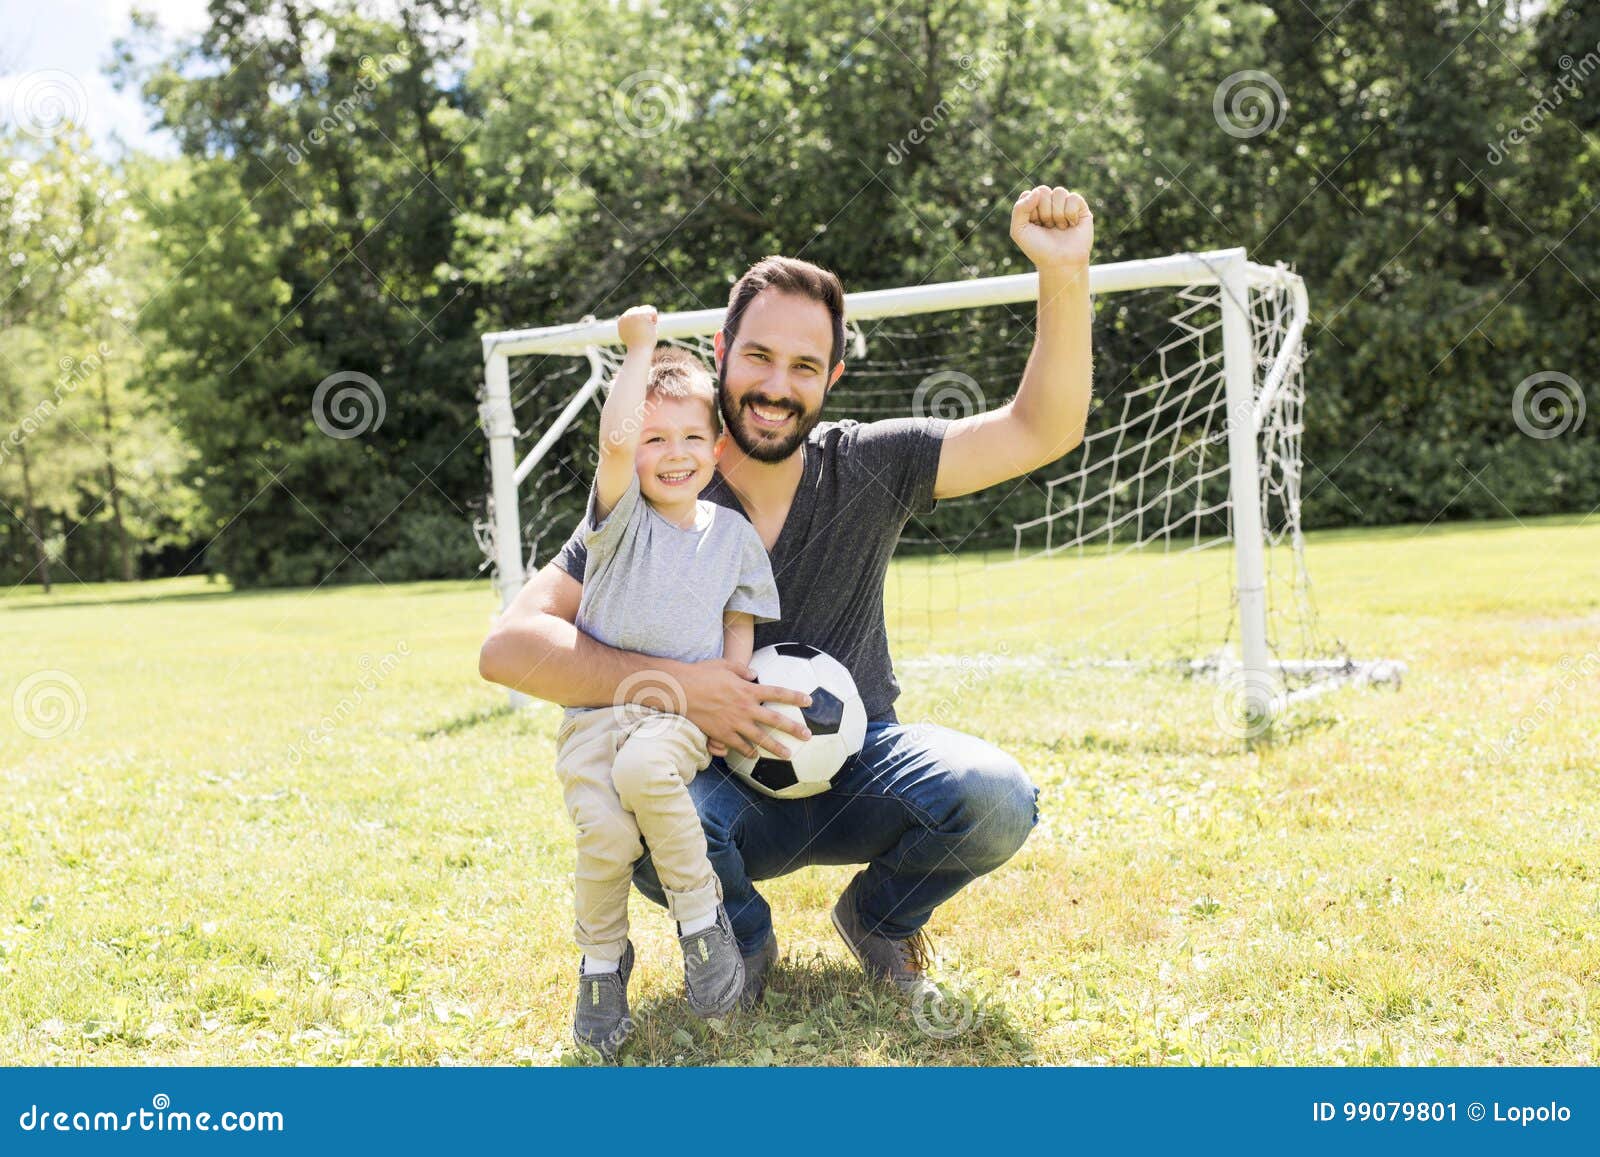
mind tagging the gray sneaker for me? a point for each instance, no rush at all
(713, 970)
(904, 961)
(601, 1022)
(756, 967)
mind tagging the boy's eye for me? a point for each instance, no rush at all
(653, 438)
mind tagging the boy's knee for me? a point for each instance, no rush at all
(608, 842)
(644, 769)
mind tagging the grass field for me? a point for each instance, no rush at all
(296, 827)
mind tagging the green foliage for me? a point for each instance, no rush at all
(303, 244)
(362, 194)
(90, 465)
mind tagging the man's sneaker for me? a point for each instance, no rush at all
(713, 970)
(602, 1022)
(904, 961)
(756, 967)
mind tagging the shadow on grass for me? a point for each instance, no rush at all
(464, 722)
(77, 602)
(1286, 732)
(823, 1011)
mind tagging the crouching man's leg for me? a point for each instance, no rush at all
(928, 810)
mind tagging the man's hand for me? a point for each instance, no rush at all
(725, 702)
(637, 327)
(1053, 227)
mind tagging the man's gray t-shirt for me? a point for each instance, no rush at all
(861, 484)
(660, 589)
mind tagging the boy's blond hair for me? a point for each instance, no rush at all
(677, 373)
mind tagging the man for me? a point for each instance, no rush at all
(927, 809)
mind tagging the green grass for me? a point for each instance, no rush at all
(296, 827)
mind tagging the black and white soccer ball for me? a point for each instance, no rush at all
(836, 718)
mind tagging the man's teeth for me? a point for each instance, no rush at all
(770, 415)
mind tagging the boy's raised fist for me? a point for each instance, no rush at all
(637, 327)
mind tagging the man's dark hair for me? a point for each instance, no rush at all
(677, 373)
(787, 275)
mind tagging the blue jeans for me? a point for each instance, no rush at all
(927, 809)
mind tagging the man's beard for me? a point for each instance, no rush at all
(764, 448)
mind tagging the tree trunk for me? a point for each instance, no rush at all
(30, 519)
(113, 492)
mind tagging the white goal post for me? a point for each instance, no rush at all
(1252, 390)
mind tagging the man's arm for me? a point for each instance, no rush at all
(535, 648)
(1046, 419)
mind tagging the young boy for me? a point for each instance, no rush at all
(672, 576)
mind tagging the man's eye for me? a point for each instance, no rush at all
(806, 368)
(760, 357)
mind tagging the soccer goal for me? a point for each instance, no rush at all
(1170, 539)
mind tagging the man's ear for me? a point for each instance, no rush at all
(718, 349)
(838, 372)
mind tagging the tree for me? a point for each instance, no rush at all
(59, 216)
(302, 247)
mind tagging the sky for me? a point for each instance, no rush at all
(56, 51)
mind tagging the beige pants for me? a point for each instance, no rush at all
(625, 774)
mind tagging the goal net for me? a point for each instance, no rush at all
(1169, 540)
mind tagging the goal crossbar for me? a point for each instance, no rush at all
(1248, 408)
(1206, 268)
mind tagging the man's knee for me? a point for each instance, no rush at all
(720, 801)
(999, 806)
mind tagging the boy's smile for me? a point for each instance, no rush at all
(676, 455)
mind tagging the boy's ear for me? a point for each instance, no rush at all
(719, 446)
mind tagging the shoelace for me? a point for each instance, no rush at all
(918, 952)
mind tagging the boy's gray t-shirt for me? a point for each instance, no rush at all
(657, 588)
(862, 482)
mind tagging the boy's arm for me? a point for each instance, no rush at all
(738, 637)
(738, 644)
(623, 414)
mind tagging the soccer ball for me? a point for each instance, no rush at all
(836, 718)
